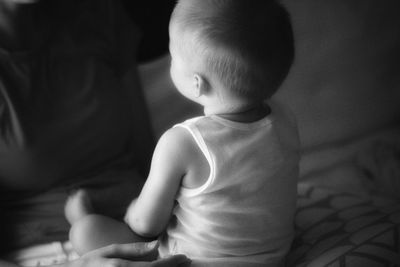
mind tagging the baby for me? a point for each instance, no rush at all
(222, 187)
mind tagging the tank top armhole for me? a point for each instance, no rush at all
(189, 192)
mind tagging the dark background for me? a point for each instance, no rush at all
(152, 17)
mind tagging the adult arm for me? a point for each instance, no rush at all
(122, 255)
(143, 139)
(125, 40)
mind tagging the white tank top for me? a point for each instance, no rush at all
(243, 214)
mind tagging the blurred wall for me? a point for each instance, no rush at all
(346, 78)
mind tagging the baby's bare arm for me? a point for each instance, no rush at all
(149, 214)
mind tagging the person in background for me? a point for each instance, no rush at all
(72, 115)
(222, 187)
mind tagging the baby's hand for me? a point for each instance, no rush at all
(77, 206)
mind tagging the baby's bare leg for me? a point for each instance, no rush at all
(90, 231)
(78, 205)
(95, 231)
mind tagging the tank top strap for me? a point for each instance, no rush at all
(191, 127)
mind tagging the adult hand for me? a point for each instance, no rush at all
(127, 255)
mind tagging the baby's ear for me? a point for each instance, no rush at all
(200, 85)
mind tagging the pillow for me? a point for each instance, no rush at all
(343, 229)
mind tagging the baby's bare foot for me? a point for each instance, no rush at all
(77, 206)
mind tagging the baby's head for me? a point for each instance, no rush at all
(242, 48)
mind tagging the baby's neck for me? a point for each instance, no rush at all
(245, 114)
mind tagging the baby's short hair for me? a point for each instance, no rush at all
(248, 45)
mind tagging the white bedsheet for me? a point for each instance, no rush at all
(44, 255)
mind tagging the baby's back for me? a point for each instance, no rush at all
(244, 212)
